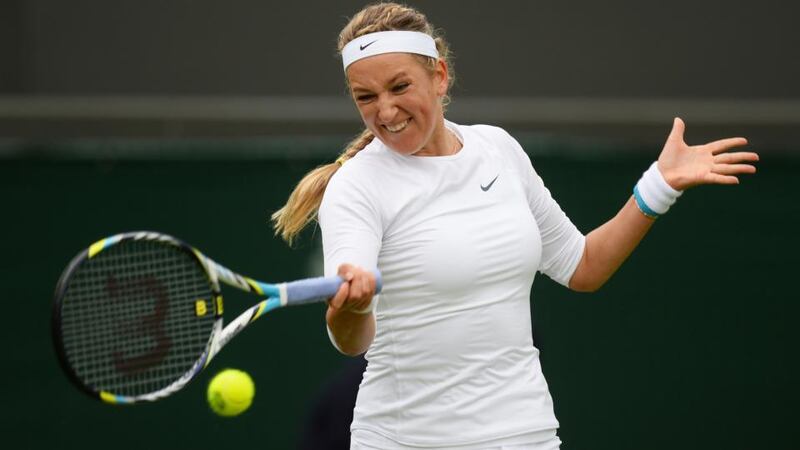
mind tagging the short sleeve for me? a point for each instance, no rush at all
(562, 243)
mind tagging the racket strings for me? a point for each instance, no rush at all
(129, 323)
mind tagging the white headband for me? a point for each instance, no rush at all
(388, 42)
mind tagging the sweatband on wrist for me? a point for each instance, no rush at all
(653, 194)
(388, 42)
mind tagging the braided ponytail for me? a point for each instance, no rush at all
(304, 201)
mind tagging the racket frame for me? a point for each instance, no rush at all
(277, 295)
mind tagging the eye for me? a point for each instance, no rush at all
(363, 98)
(400, 87)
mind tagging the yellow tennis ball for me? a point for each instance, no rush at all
(230, 392)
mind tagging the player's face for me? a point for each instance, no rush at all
(400, 102)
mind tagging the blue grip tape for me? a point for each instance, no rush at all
(312, 290)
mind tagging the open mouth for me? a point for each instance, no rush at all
(397, 127)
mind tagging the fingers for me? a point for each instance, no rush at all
(357, 290)
(678, 128)
(337, 301)
(725, 144)
(362, 289)
(733, 169)
(357, 286)
(346, 271)
(736, 157)
(714, 178)
(726, 165)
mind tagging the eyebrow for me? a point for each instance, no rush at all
(394, 79)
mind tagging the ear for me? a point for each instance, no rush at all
(441, 78)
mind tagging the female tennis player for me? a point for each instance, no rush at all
(458, 222)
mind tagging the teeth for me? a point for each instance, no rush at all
(396, 128)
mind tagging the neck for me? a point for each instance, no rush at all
(442, 143)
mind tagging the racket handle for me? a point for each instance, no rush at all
(313, 290)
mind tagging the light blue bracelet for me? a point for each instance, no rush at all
(642, 205)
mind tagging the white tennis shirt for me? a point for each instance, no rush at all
(458, 240)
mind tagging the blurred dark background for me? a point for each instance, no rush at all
(196, 118)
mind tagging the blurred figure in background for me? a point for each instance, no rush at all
(327, 424)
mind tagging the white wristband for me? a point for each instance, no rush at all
(653, 194)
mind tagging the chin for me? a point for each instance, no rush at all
(401, 146)
(406, 150)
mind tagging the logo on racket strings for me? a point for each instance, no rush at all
(145, 330)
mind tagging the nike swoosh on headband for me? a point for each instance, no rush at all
(362, 47)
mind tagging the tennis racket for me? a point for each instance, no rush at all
(137, 315)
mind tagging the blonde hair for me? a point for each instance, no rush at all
(303, 203)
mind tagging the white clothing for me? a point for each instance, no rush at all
(458, 240)
(539, 440)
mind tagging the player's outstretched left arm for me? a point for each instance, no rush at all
(679, 167)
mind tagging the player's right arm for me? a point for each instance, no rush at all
(350, 222)
(350, 318)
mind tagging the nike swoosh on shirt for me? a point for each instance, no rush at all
(489, 186)
(362, 47)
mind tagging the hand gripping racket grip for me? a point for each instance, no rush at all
(313, 290)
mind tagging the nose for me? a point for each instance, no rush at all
(387, 110)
